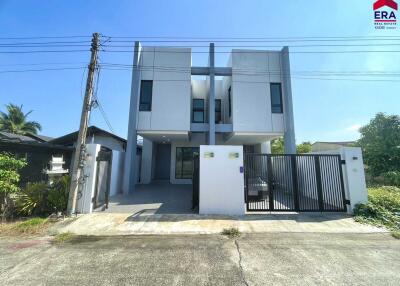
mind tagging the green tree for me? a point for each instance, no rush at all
(380, 142)
(304, 147)
(9, 178)
(15, 121)
(277, 147)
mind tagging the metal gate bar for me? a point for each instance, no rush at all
(285, 182)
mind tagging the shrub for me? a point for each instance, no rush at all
(391, 178)
(382, 209)
(58, 194)
(9, 178)
(41, 199)
(33, 199)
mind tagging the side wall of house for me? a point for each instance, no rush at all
(170, 71)
(252, 74)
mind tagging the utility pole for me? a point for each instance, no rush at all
(77, 179)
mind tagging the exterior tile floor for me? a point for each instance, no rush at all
(155, 198)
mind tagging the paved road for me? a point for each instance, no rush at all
(252, 259)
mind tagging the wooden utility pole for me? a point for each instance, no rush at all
(77, 179)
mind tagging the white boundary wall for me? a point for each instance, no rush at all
(221, 180)
(84, 204)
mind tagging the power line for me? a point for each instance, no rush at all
(45, 43)
(43, 64)
(97, 100)
(42, 37)
(254, 38)
(252, 71)
(39, 70)
(258, 51)
(243, 39)
(300, 76)
(263, 46)
(46, 51)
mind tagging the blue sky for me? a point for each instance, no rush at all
(325, 110)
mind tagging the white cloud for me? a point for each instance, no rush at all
(352, 128)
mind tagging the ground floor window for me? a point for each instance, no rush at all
(184, 162)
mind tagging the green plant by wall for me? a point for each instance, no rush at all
(33, 199)
(58, 194)
(41, 199)
(9, 178)
(382, 209)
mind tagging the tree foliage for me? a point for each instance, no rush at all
(9, 178)
(277, 147)
(380, 142)
(15, 121)
(304, 147)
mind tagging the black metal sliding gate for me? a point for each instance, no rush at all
(294, 183)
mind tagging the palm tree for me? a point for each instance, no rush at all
(15, 121)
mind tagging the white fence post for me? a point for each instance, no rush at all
(353, 176)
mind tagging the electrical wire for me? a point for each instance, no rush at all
(39, 70)
(97, 100)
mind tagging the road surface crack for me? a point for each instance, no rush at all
(240, 264)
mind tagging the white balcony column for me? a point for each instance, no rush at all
(129, 180)
(289, 134)
(147, 162)
(266, 147)
(211, 98)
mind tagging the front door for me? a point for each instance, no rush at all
(103, 178)
(163, 162)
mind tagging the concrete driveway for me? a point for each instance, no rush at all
(154, 198)
(252, 259)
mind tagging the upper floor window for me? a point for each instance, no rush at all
(276, 98)
(229, 101)
(146, 93)
(218, 116)
(198, 111)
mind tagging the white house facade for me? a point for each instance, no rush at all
(248, 102)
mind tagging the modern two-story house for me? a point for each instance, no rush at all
(176, 107)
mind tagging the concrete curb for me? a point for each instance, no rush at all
(112, 224)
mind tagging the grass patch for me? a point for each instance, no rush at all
(31, 223)
(64, 237)
(396, 234)
(32, 226)
(231, 232)
(382, 209)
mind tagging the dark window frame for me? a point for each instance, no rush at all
(197, 109)
(230, 101)
(145, 105)
(276, 108)
(183, 173)
(218, 118)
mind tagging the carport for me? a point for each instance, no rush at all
(154, 198)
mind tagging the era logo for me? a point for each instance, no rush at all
(384, 11)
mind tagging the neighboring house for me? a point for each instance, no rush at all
(41, 152)
(328, 146)
(95, 135)
(111, 146)
(36, 150)
(248, 103)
